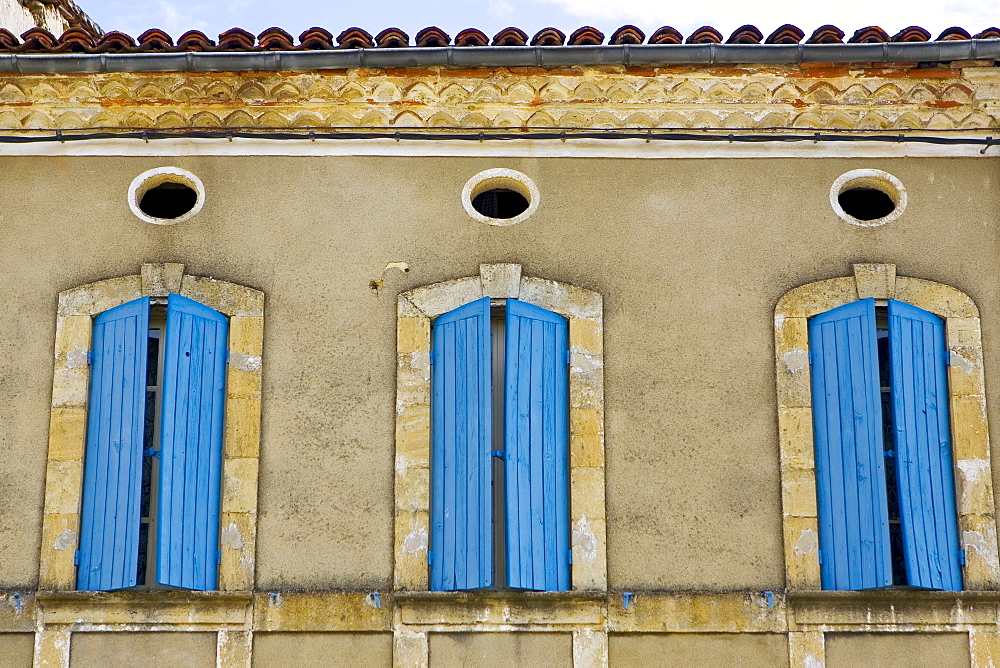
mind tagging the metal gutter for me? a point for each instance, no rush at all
(503, 56)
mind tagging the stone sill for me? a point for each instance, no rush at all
(144, 607)
(514, 608)
(919, 608)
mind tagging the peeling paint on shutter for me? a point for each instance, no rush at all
(923, 445)
(850, 470)
(461, 459)
(193, 410)
(109, 525)
(536, 440)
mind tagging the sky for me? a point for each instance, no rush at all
(214, 16)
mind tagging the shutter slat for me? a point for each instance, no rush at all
(461, 461)
(850, 475)
(923, 442)
(109, 524)
(191, 430)
(536, 443)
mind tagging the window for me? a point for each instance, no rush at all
(884, 472)
(423, 313)
(154, 410)
(159, 402)
(829, 379)
(499, 460)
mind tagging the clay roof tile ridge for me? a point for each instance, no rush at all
(666, 35)
(549, 37)
(510, 37)
(355, 38)
(705, 35)
(586, 36)
(786, 34)
(472, 37)
(747, 34)
(627, 34)
(392, 38)
(316, 38)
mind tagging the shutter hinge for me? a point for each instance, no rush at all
(569, 555)
(497, 453)
(819, 556)
(430, 356)
(227, 355)
(961, 557)
(947, 358)
(569, 356)
(810, 357)
(218, 557)
(430, 557)
(76, 558)
(90, 357)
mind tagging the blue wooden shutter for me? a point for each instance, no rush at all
(461, 459)
(109, 523)
(850, 470)
(536, 436)
(923, 446)
(193, 409)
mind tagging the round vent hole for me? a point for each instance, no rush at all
(866, 203)
(500, 203)
(169, 200)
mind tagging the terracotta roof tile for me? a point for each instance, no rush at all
(355, 38)
(195, 40)
(871, 34)
(275, 39)
(8, 41)
(510, 37)
(81, 40)
(786, 34)
(953, 33)
(316, 38)
(627, 35)
(911, 34)
(432, 36)
(38, 39)
(392, 38)
(586, 36)
(472, 37)
(76, 40)
(745, 35)
(666, 35)
(705, 35)
(155, 39)
(549, 37)
(826, 35)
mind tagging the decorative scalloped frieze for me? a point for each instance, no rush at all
(674, 98)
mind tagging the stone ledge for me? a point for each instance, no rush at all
(876, 609)
(131, 608)
(501, 607)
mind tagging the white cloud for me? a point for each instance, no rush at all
(849, 15)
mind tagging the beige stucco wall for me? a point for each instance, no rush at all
(16, 649)
(758, 650)
(319, 649)
(912, 650)
(173, 650)
(690, 257)
(494, 650)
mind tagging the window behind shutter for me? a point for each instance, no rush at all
(923, 448)
(194, 379)
(461, 459)
(109, 525)
(536, 435)
(850, 473)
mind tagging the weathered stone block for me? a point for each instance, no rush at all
(413, 436)
(241, 383)
(98, 297)
(246, 336)
(938, 298)
(412, 531)
(814, 298)
(965, 374)
(801, 536)
(806, 649)
(242, 434)
(798, 493)
(588, 493)
(589, 543)
(239, 485)
(237, 538)
(63, 485)
(412, 489)
(67, 433)
(413, 335)
(964, 332)
(795, 433)
(969, 433)
(159, 280)
(228, 298)
(586, 336)
(69, 386)
(500, 280)
(875, 280)
(59, 543)
(586, 449)
(409, 650)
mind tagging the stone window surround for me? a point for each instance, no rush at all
(969, 429)
(67, 434)
(584, 311)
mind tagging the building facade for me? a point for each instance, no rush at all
(585, 351)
